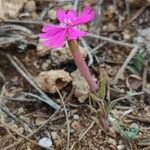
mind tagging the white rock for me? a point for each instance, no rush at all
(111, 141)
(20, 111)
(81, 86)
(120, 147)
(54, 135)
(50, 81)
(64, 55)
(46, 65)
(41, 50)
(76, 117)
(45, 142)
(11, 8)
(30, 6)
(52, 14)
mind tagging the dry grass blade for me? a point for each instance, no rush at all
(45, 98)
(134, 16)
(34, 132)
(67, 120)
(11, 33)
(123, 67)
(26, 138)
(111, 40)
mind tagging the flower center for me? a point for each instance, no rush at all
(66, 23)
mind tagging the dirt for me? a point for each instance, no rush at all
(86, 126)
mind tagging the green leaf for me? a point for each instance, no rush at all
(22, 47)
(111, 106)
(138, 62)
(102, 88)
(129, 134)
(131, 70)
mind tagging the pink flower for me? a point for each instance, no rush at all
(53, 36)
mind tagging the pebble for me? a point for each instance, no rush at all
(26, 119)
(111, 141)
(120, 147)
(66, 7)
(76, 117)
(39, 121)
(46, 65)
(20, 111)
(50, 81)
(30, 6)
(52, 14)
(76, 125)
(45, 142)
(42, 50)
(54, 135)
(84, 27)
(81, 86)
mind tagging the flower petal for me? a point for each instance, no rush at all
(61, 15)
(73, 34)
(49, 27)
(49, 31)
(71, 15)
(86, 15)
(55, 41)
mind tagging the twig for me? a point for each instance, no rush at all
(134, 16)
(141, 119)
(88, 49)
(33, 95)
(144, 82)
(24, 22)
(16, 99)
(111, 40)
(2, 76)
(97, 23)
(127, 7)
(10, 114)
(94, 50)
(67, 120)
(32, 82)
(35, 131)
(128, 59)
(84, 133)
(126, 97)
(26, 138)
(75, 5)
(1, 108)
(9, 27)
(45, 122)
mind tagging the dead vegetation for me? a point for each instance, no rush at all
(60, 113)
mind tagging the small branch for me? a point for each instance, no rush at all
(32, 82)
(75, 5)
(110, 40)
(88, 49)
(26, 138)
(35, 131)
(25, 22)
(67, 120)
(84, 133)
(128, 59)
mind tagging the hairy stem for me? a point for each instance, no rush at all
(81, 64)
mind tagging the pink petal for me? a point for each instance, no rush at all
(55, 41)
(73, 34)
(86, 15)
(61, 15)
(49, 27)
(71, 15)
(50, 30)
